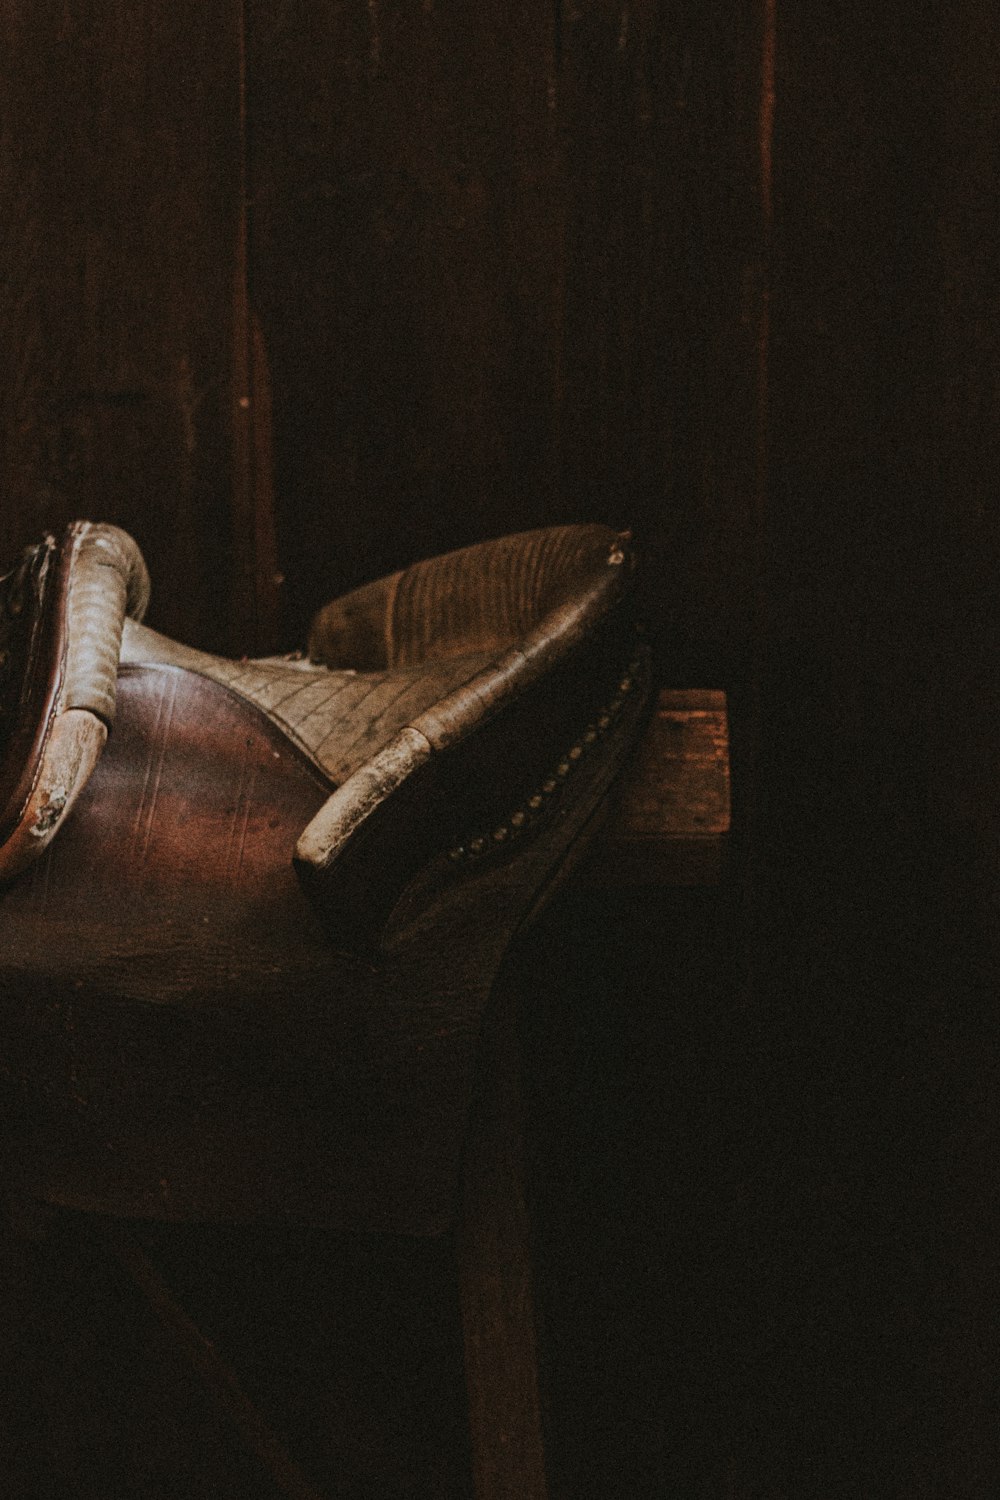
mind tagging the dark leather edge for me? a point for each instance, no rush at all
(40, 679)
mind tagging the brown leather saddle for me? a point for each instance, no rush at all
(252, 911)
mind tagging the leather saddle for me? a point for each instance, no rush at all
(251, 911)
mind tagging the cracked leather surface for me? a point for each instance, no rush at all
(340, 718)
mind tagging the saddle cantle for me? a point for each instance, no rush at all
(249, 975)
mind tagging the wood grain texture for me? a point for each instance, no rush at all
(496, 1278)
(662, 293)
(403, 276)
(671, 820)
(866, 1199)
(879, 644)
(507, 267)
(118, 201)
(962, 703)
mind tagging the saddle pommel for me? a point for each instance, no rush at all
(541, 618)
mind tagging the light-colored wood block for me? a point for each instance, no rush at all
(671, 817)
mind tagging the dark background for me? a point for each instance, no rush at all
(725, 275)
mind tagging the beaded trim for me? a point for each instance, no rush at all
(533, 808)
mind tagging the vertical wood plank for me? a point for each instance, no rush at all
(119, 191)
(662, 300)
(866, 1206)
(403, 272)
(496, 1279)
(962, 705)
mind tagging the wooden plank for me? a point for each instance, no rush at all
(403, 263)
(496, 1279)
(857, 510)
(880, 643)
(119, 193)
(671, 817)
(963, 676)
(871, 1104)
(662, 299)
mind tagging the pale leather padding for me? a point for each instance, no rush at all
(488, 616)
(339, 718)
(477, 599)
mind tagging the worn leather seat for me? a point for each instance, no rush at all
(252, 911)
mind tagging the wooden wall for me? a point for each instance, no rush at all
(507, 265)
(119, 182)
(724, 275)
(871, 1117)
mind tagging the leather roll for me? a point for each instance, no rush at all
(108, 581)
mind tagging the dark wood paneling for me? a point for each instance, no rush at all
(661, 305)
(870, 1116)
(507, 265)
(853, 398)
(963, 688)
(119, 187)
(403, 269)
(882, 541)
